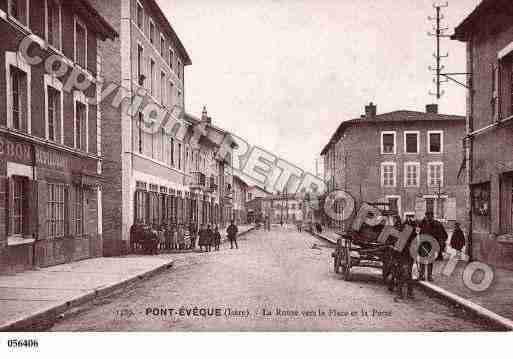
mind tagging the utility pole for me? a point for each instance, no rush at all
(439, 33)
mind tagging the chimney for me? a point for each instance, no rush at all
(370, 110)
(204, 116)
(432, 108)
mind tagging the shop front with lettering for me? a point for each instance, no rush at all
(49, 199)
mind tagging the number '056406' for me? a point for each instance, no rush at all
(22, 343)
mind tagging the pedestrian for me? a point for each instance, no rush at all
(203, 238)
(186, 238)
(458, 239)
(210, 237)
(405, 268)
(435, 229)
(232, 231)
(179, 235)
(217, 238)
(193, 232)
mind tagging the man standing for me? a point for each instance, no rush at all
(436, 230)
(232, 231)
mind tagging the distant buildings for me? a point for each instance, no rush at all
(488, 33)
(409, 159)
(50, 143)
(240, 193)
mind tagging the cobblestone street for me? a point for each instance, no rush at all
(284, 274)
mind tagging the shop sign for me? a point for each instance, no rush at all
(52, 159)
(14, 151)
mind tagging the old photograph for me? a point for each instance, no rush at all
(255, 166)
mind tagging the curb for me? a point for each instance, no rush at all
(479, 311)
(49, 315)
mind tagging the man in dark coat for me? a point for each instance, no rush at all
(436, 230)
(457, 239)
(217, 238)
(210, 237)
(203, 238)
(232, 231)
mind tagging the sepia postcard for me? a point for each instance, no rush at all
(255, 166)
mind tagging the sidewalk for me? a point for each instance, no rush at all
(493, 304)
(36, 295)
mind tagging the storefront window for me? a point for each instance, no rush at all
(18, 207)
(481, 207)
(140, 206)
(56, 210)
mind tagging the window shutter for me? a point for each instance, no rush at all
(27, 206)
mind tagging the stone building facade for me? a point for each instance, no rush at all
(50, 143)
(412, 160)
(488, 34)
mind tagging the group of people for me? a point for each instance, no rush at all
(401, 279)
(152, 239)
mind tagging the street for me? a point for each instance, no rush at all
(283, 278)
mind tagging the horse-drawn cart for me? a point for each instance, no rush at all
(362, 249)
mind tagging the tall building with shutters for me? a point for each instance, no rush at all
(488, 35)
(153, 173)
(411, 160)
(50, 143)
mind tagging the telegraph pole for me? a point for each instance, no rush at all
(439, 33)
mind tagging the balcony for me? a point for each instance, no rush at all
(198, 181)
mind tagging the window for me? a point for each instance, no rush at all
(78, 208)
(506, 203)
(140, 54)
(56, 210)
(152, 77)
(435, 142)
(19, 10)
(54, 114)
(80, 125)
(163, 88)
(388, 142)
(179, 69)
(170, 94)
(172, 152)
(162, 46)
(170, 58)
(19, 206)
(80, 44)
(19, 99)
(140, 16)
(53, 23)
(435, 174)
(152, 32)
(179, 156)
(411, 174)
(140, 124)
(395, 203)
(411, 142)
(388, 174)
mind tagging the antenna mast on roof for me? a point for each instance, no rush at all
(440, 76)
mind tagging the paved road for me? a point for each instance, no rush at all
(277, 272)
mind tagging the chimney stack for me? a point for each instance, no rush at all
(370, 110)
(204, 116)
(432, 108)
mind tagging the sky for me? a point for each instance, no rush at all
(283, 74)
